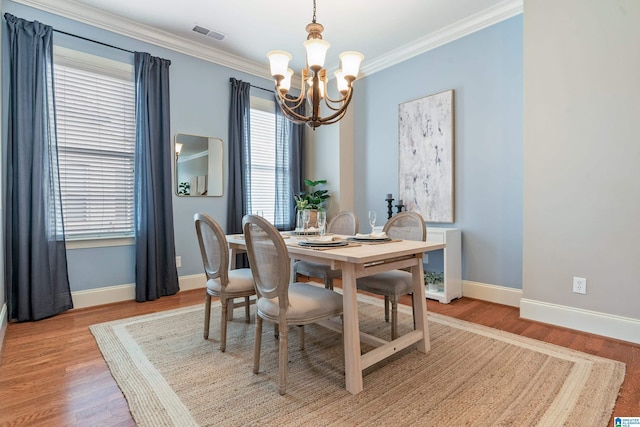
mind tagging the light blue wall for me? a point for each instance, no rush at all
(199, 106)
(485, 71)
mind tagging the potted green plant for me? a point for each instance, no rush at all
(184, 188)
(433, 280)
(312, 199)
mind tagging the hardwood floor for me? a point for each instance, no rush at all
(52, 373)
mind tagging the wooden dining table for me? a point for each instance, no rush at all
(359, 260)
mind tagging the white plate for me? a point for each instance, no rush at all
(370, 239)
(322, 244)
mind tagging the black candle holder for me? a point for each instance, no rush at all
(389, 208)
(399, 207)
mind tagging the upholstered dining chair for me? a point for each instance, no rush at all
(221, 282)
(345, 223)
(393, 284)
(279, 301)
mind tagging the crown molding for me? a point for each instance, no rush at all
(117, 24)
(500, 12)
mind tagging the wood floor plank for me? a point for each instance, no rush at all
(52, 372)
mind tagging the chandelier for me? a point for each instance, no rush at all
(314, 79)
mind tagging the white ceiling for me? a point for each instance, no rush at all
(385, 32)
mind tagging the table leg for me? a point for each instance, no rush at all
(232, 266)
(420, 306)
(232, 259)
(352, 365)
(292, 271)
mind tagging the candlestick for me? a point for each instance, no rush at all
(389, 206)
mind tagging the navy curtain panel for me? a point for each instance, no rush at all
(156, 272)
(239, 156)
(36, 277)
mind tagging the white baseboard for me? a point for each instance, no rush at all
(622, 328)
(110, 294)
(193, 281)
(492, 293)
(3, 325)
(106, 295)
(593, 322)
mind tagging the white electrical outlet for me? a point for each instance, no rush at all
(579, 285)
(178, 261)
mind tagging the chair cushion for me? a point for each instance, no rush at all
(395, 282)
(307, 304)
(315, 269)
(240, 282)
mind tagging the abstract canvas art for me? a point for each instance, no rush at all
(425, 156)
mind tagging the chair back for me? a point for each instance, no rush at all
(268, 259)
(344, 222)
(406, 226)
(213, 248)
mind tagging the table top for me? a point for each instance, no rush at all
(357, 253)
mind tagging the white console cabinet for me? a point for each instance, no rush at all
(452, 263)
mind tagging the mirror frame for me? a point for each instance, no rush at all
(213, 149)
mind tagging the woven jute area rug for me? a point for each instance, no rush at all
(473, 376)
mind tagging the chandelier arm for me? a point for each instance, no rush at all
(282, 96)
(330, 105)
(326, 121)
(282, 99)
(292, 115)
(335, 101)
(340, 112)
(295, 119)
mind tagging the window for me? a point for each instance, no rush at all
(269, 169)
(95, 112)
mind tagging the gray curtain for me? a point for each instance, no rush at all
(156, 272)
(239, 156)
(290, 171)
(36, 277)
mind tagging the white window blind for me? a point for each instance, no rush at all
(95, 112)
(263, 157)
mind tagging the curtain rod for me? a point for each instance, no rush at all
(91, 40)
(231, 79)
(261, 88)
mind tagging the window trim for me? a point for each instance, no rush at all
(100, 242)
(262, 104)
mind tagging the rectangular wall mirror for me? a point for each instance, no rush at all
(199, 163)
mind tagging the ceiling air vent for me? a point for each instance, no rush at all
(209, 33)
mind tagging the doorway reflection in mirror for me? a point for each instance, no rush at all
(199, 161)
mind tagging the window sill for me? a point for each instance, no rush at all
(100, 243)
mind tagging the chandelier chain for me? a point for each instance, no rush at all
(314, 12)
